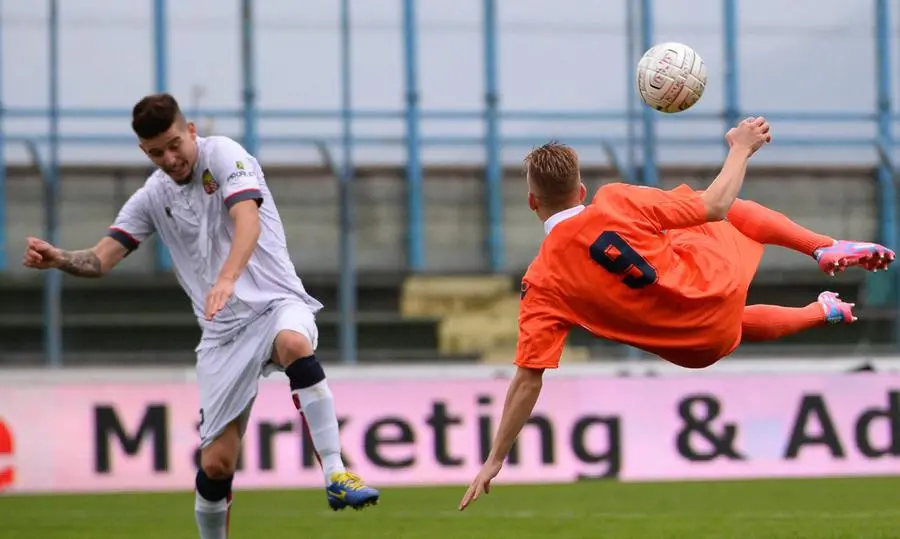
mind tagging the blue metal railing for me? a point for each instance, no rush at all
(2, 162)
(732, 107)
(649, 174)
(248, 70)
(884, 106)
(53, 279)
(638, 143)
(493, 167)
(632, 53)
(161, 84)
(415, 250)
(347, 213)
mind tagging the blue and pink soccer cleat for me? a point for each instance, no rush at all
(347, 490)
(844, 254)
(836, 310)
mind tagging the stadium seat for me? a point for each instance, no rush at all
(478, 315)
(430, 296)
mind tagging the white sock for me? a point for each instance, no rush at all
(317, 406)
(212, 517)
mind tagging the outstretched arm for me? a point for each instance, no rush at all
(744, 140)
(521, 397)
(542, 334)
(670, 210)
(93, 262)
(132, 226)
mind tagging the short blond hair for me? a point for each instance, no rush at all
(553, 173)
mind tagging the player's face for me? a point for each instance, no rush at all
(175, 151)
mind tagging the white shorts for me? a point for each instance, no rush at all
(228, 373)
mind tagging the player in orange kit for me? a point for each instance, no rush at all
(664, 271)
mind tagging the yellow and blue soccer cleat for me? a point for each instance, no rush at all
(347, 490)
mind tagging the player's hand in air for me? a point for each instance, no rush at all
(751, 134)
(41, 255)
(481, 484)
(218, 296)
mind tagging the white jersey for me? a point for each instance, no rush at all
(192, 220)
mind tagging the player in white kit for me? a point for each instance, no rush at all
(209, 204)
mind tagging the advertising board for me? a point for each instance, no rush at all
(119, 436)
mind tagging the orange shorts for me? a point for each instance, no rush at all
(734, 247)
(742, 255)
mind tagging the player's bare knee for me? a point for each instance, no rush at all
(218, 464)
(219, 459)
(291, 346)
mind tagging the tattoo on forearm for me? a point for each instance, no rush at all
(81, 263)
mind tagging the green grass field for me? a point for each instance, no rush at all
(827, 508)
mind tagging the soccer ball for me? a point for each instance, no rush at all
(671, 77)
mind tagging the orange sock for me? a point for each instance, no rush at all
(770, 227)
(771, 322)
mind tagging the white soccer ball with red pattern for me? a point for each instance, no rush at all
(671, 77)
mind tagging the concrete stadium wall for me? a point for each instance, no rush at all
(839, 202)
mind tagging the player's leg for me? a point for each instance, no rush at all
(212, 504)
(772, 322)
(228, 378)
(770, 227)
(294, 351)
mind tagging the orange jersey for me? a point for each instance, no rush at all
(639, 266)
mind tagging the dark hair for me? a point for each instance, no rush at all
(553, 171)
(154, 115)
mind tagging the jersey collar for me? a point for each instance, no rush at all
(561, 216)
